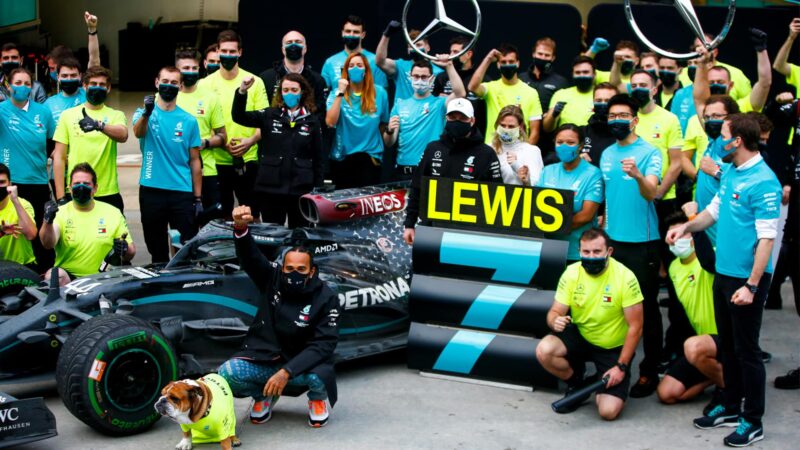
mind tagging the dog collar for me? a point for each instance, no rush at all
(208, 411)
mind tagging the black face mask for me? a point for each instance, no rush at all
(627, 66)
(294, 52)
(583, 83)
(294, 281)
(8, 66)
(668, 78)
(542, 64)
(96, 95)
(594, 266)
(168, 92)
(457, 129)
(81, 194)
(713, 128)
(228, 61)
(190, 78)
(211, 68)
(619, 129)
(762, 147)
(459, 66)
(653, 73)
(3, 193)
(70, 86)
(508, 70)
(641, 95)
(691, 71)
(718, 89)
(601, 109)
(351, 42)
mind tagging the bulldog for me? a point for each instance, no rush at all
(204, 410)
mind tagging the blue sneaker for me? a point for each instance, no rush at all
(746, 433)
(719, 416)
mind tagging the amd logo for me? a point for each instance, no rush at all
(9, 415)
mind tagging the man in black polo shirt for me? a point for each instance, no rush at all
(540, 74)
(293, 47)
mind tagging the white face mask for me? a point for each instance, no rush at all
(507, 135)
(421, 87)
(682, 248)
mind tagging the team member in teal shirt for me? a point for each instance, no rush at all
(70, 93)
(399, 70)
(746, 211)
(26, 132)
(352, 36)
(575, 174)
(170, 184)
(420, 118)
(631, 171)
(359, 109)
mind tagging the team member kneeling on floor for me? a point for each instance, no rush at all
(596, 316)
(293, 335)
(692, 273)
(85, 230)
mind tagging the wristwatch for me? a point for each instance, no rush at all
(339, 94)
(751, 287)
(622, 366)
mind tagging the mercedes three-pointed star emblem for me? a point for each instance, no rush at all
(687, 12)
(442, 22)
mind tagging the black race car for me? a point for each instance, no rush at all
(114, 339)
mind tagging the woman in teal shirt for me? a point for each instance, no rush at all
(579, 176)
(359, 109)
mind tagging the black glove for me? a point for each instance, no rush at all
(558, 108)
(759, 39)
(198, 207)
(50, 210)
(65, 199)
(88, 124)
(120, 247)
(149, 104)
(393, 27)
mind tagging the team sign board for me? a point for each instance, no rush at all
(496, 206)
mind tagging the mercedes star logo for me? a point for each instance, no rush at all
(687, 12)
(442, 22)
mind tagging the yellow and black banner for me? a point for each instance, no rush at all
(495, 206)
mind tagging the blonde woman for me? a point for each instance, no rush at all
(520, 162)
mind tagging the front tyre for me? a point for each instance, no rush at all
(111, 371)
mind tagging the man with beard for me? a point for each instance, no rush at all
(597, 137)
(294, 51)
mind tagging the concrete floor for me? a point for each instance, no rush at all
(385, 405)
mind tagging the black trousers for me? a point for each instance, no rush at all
(356, 170)
(643, 260)
(211, 191)
(114, 200)
(276, 207)
(403, 173)
(231, 183)
(738, 328)
(37, 195)
(788, 263)
(160, 209)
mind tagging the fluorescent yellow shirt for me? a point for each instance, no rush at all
(220, 423)
(499, 95)
(17, 249)
(794, 78)
(602, 76)
(579, 106)
(661, 129)
(694, 287)
(86, 237)
(225, 90)
(596, 303)
(95, 148)
(204, 106)
(696, 140)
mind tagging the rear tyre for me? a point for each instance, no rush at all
(111, 371)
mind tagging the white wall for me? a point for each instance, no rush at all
(63, 19)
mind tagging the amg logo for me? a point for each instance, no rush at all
(379, 293)
(198, 284)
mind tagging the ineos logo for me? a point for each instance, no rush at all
(9, 415)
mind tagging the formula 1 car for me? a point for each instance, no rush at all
(114, 339)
